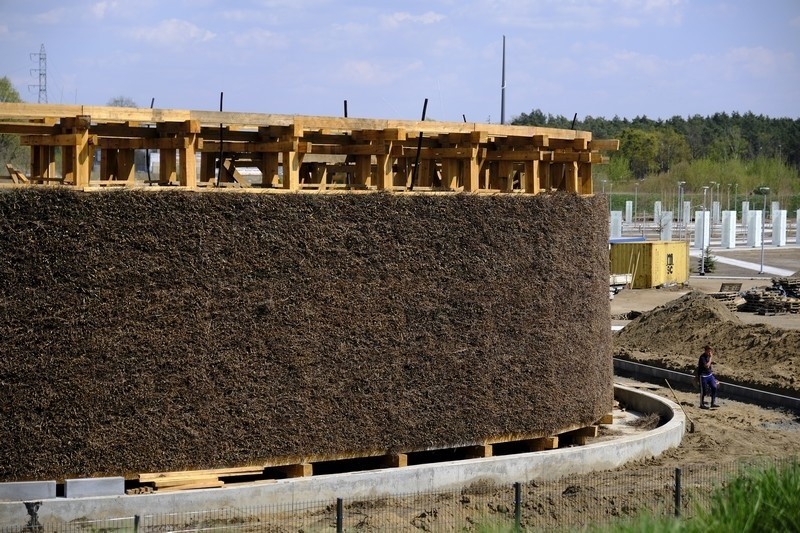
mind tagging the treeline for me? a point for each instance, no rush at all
(654, 146)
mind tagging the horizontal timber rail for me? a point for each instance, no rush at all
(315, 465)
(90, 147)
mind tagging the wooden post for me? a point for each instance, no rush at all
(167, 172)
(384, 174)
(187, 173)
(532, 184)
(571, 176)
(269, 169)
(125, 166)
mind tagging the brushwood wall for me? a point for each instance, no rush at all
(166, 331)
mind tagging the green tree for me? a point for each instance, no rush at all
(672, 149)
(10, 149)
(122, 101)
(640, 148)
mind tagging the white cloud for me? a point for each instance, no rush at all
(758, 61)
(54, 16)
(258, 38)
(363, 72)
(99, 8)
(402, 18)
(172, 32)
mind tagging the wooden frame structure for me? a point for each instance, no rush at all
(294, 152)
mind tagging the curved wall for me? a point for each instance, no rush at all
(167, 331)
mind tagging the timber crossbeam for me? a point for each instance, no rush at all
(91, 146)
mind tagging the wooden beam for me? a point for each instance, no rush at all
(604, 144)
(477, 452)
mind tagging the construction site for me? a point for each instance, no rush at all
(400, 306)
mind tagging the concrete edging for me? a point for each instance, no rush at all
(550, 464)
(726, 390)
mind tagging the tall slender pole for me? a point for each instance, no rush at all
(419, 149)
(221, 154)
(503, 86)
(703, 236)
(764, 191)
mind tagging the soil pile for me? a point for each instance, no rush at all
(673, 335)
(165, 331)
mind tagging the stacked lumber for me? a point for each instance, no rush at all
(768, 302)
(728, 299)
(195, 479)
(789, 286)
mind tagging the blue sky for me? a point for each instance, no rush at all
(658, 58)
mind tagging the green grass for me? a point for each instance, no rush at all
(761, 500)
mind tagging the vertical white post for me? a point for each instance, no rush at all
(754, 229)
(616, 224)
(629, 211)
(745, 212)
(797, 227)
(715, 212)
(729, 229)
(666, 226)
(657, 211)
(774, 207)
(702, 221)
(779, 227)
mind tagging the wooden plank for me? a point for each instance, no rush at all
(194, 486)
(219, 472)
(604, 144)
(514, 155)
(167, 482)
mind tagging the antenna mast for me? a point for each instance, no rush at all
(42, 70)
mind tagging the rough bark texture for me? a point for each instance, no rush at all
(166, 331)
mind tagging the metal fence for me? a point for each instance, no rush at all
(570, 503)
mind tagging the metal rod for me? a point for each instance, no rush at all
(147, 151)
(503, 86)
(339, 513)
(677, 492)
(518, 506)
(219, 171)
(345, 109)
(419, 149)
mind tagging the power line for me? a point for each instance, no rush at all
(42, 70)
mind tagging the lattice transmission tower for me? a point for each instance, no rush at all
(42, 70)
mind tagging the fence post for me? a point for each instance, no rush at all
(339, 509)
(677, 492)
(517, 506)
(136, 519)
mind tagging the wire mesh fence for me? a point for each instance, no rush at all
(570, 503)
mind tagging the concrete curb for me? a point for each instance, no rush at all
(550, 464)
(727, 390)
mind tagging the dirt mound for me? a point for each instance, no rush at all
(148, 331)
(673, 336)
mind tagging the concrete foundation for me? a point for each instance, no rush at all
(550, 464)
(101, 486)
(26, 491)
(666, 226)
(702, 227)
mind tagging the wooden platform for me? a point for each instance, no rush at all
(97, 147)
(268, 472)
